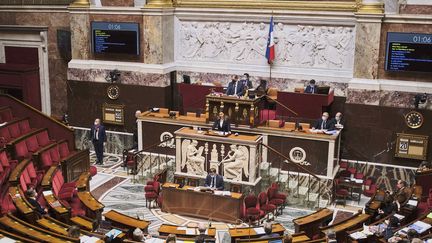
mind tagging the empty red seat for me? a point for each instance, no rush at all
(4, 133)
(64, 191)
(64, 149)
(93, 170)
(271, 192)
(251, 208)
(35, 176)
(152, 193)
(264, 204)
(24, 126)
(6, 162)
(46, 160)
(21, 150)
(6, 204)
(55, 155)
(32, 144)
(43, 138)
(14, 130)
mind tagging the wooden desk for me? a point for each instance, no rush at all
(8, 235)
(341, 228)
(84, 222)
(83, 182)
(61, 212)
(242, 111)
(94, 207)
(33, 232)
(166, 229)
(306, 105)
(246, 232)
(20, 202)
(47, 178)
(201, 204)
(310, 223)
(125, 222)
(14, 176)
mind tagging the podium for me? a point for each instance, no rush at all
(241, 111)
(236, 158)
(306, 105)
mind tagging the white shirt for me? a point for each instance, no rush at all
(235, 88)
(221, 122)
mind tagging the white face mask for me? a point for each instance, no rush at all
(324, 118)
(338, 118)
(96, 123)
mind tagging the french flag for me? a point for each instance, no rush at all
(270, 52)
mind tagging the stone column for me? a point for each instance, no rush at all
(80, 29)
(158, 34)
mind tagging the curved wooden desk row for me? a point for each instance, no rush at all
(341, 228)
(14, 176)
(124, 221)
(13, 224)
(311, 223)
(166, 229)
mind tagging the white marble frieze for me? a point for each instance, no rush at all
(329, 47)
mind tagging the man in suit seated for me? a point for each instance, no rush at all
(402, 193)
(214, 181)
(222, 124)
(269, 231)
(235, 87)
(311, 88)
(324, 123)
(338, 121)
(31, 198)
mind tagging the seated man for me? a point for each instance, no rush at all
(214, 181)
(402, 193)
(246, 81)
(222, 124)
(31, 198)
(338, 121)
(202, 234)
(311, 88)
(323, 123)
(235, 87)
(269, 231)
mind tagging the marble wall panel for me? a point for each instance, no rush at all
(361, 96)
(80, 39)
(279, 83)
(367, 50)
(415, 9)
(116, 142)
(126, 77)
(153, 39)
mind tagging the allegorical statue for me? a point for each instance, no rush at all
(192, 157)
(236, 162)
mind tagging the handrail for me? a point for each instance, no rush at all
(37, 111)
(152, 145)
(284, 106)
(289, 160)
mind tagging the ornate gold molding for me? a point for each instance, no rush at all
(80, 4)
(347, 5)
(371, 8)
(159, 4)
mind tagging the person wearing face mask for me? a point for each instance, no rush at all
(98, 138)
(235, 87)
(214, 181)
(324, 123)
(246, 82)
(31, 198)
(338, 121)
(311, 88)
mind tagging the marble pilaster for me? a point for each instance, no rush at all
(80, 35)
(368, 32)
(158, 35)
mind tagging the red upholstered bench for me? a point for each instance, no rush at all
(63, 191)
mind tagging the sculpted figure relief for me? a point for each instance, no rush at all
(236, 162)
(192, 157)
(245, 43)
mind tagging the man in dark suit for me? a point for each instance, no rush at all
(338, 121)
(31, 198)
(402, 193)
(214, 181)
(311, 88)
(98, 138)
(246, 81)
(235, 87)
(324, 123)
(222, 124)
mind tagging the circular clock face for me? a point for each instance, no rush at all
(113, 92)
(414, 119)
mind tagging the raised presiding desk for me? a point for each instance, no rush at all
(244, 111)
(192, 202)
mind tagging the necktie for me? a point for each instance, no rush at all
(214, 181)
(322, 125)
(312, 90)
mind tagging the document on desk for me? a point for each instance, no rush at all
(412, 203)
(400, 217)
(113, 233)
(88, 239)
(7, 240)
(191, 231)
(155, 240)
(259, 231)
(358, 235)
(47, 193)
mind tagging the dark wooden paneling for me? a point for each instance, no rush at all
(372, 129)
(85, 101)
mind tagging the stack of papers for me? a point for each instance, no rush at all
(113, 233)
(259, 231)
(358, 235)
(418, 226)
(412, 203)
(400, 217)
(47, 193)
(88, 239)
(155, 240)
(189, 231)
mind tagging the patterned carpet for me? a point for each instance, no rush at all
(116, 190)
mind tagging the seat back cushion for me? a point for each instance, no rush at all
(32, 143)
(46, 159)
(24, 126)
(55, 155)
(31, 170)
(21, 149)
(4, 159)
(64, 149)
(14, 130)
(43, 138)
(4, 132)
